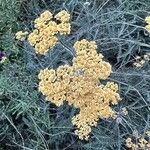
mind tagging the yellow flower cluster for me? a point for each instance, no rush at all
(79, 85)
(148, 133)
(147, 20)
(141, 60)
(21, 35)
(142, 142)
(130, 144)
(46, 27)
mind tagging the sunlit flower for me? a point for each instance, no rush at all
(64, 28)
(129, 142)
(148, 132)
(147, 20)
(43, 37)
(146, 57)
(20, 35)
(142, 142)
(63, 16)
(79, 85)
(141, 60)
(137, 64)
(135, 147)
(148, 145)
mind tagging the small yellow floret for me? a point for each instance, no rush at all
(142, 142)
(64, 28)
(63, 16)
(135, 147)
(148, 132)
(147, 20)
(129, 142)
(146, 57)
(20, 35)
(148, 145)
(46, 15)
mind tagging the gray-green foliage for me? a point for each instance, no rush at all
(27, 121)
(8, 23)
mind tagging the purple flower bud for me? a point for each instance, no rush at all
(2, 54)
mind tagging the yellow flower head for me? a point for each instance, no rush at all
(148, 145)
(46, 15)
(79, 85)
(147, 20)
(135, 147)
(142, 142)
(146, 57)
(129, 142)
(43, 37)
(148, 132)
(64, 28)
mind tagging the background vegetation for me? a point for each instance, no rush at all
(27, 121)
